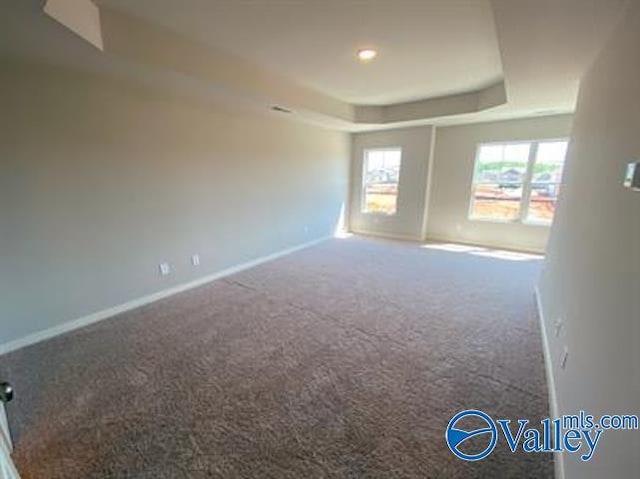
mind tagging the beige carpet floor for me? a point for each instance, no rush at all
(343, 360)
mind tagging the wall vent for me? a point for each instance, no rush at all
(280, 109)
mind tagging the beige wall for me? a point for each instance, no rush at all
(591, 277)
(455, 150)
(100, 182)
(416, 149)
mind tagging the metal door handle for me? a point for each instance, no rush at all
(6, 392)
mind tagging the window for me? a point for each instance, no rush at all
(517, 181)
(545, 181)
(499, 180)
(381, 174)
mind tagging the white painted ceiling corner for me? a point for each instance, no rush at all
(80, 16)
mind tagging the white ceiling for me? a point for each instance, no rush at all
(426, 48)
(546, 46)
(530, 54)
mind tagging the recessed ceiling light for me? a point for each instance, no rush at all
(366, 54)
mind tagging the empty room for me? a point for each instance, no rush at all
(300, 239)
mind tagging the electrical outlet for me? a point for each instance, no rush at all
(565, 357)
(558, 327)
(164, 269)
(195, 260)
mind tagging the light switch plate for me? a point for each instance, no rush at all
(164, 269)
(195, 260)
(632, 176)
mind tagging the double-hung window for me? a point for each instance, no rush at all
(517, 181)
(380, 179)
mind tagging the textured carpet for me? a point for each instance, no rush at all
(343, 360)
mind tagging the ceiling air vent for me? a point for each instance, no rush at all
(280, 109)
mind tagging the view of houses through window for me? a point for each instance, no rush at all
(517, 181)
(381, 174)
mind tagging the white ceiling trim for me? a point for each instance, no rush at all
(82, 17)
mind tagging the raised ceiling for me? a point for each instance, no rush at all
(440, 61)
(428, 48)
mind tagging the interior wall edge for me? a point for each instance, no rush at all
(427, 192)
(551, 386)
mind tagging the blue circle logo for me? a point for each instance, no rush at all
(456, 436)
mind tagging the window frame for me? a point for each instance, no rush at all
(527, 182)
(363, 185)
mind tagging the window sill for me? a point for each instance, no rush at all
(511, 222)
(493, 220)
(546, 224)
(373, 213)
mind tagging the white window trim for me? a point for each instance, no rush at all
(526, 185)
(363, 194)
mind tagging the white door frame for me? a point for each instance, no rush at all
(7, 468)
(4, 427)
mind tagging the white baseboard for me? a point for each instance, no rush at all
(4, 428)
(386, 235)
(548, 363)
(488, 244)
(136, 303)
